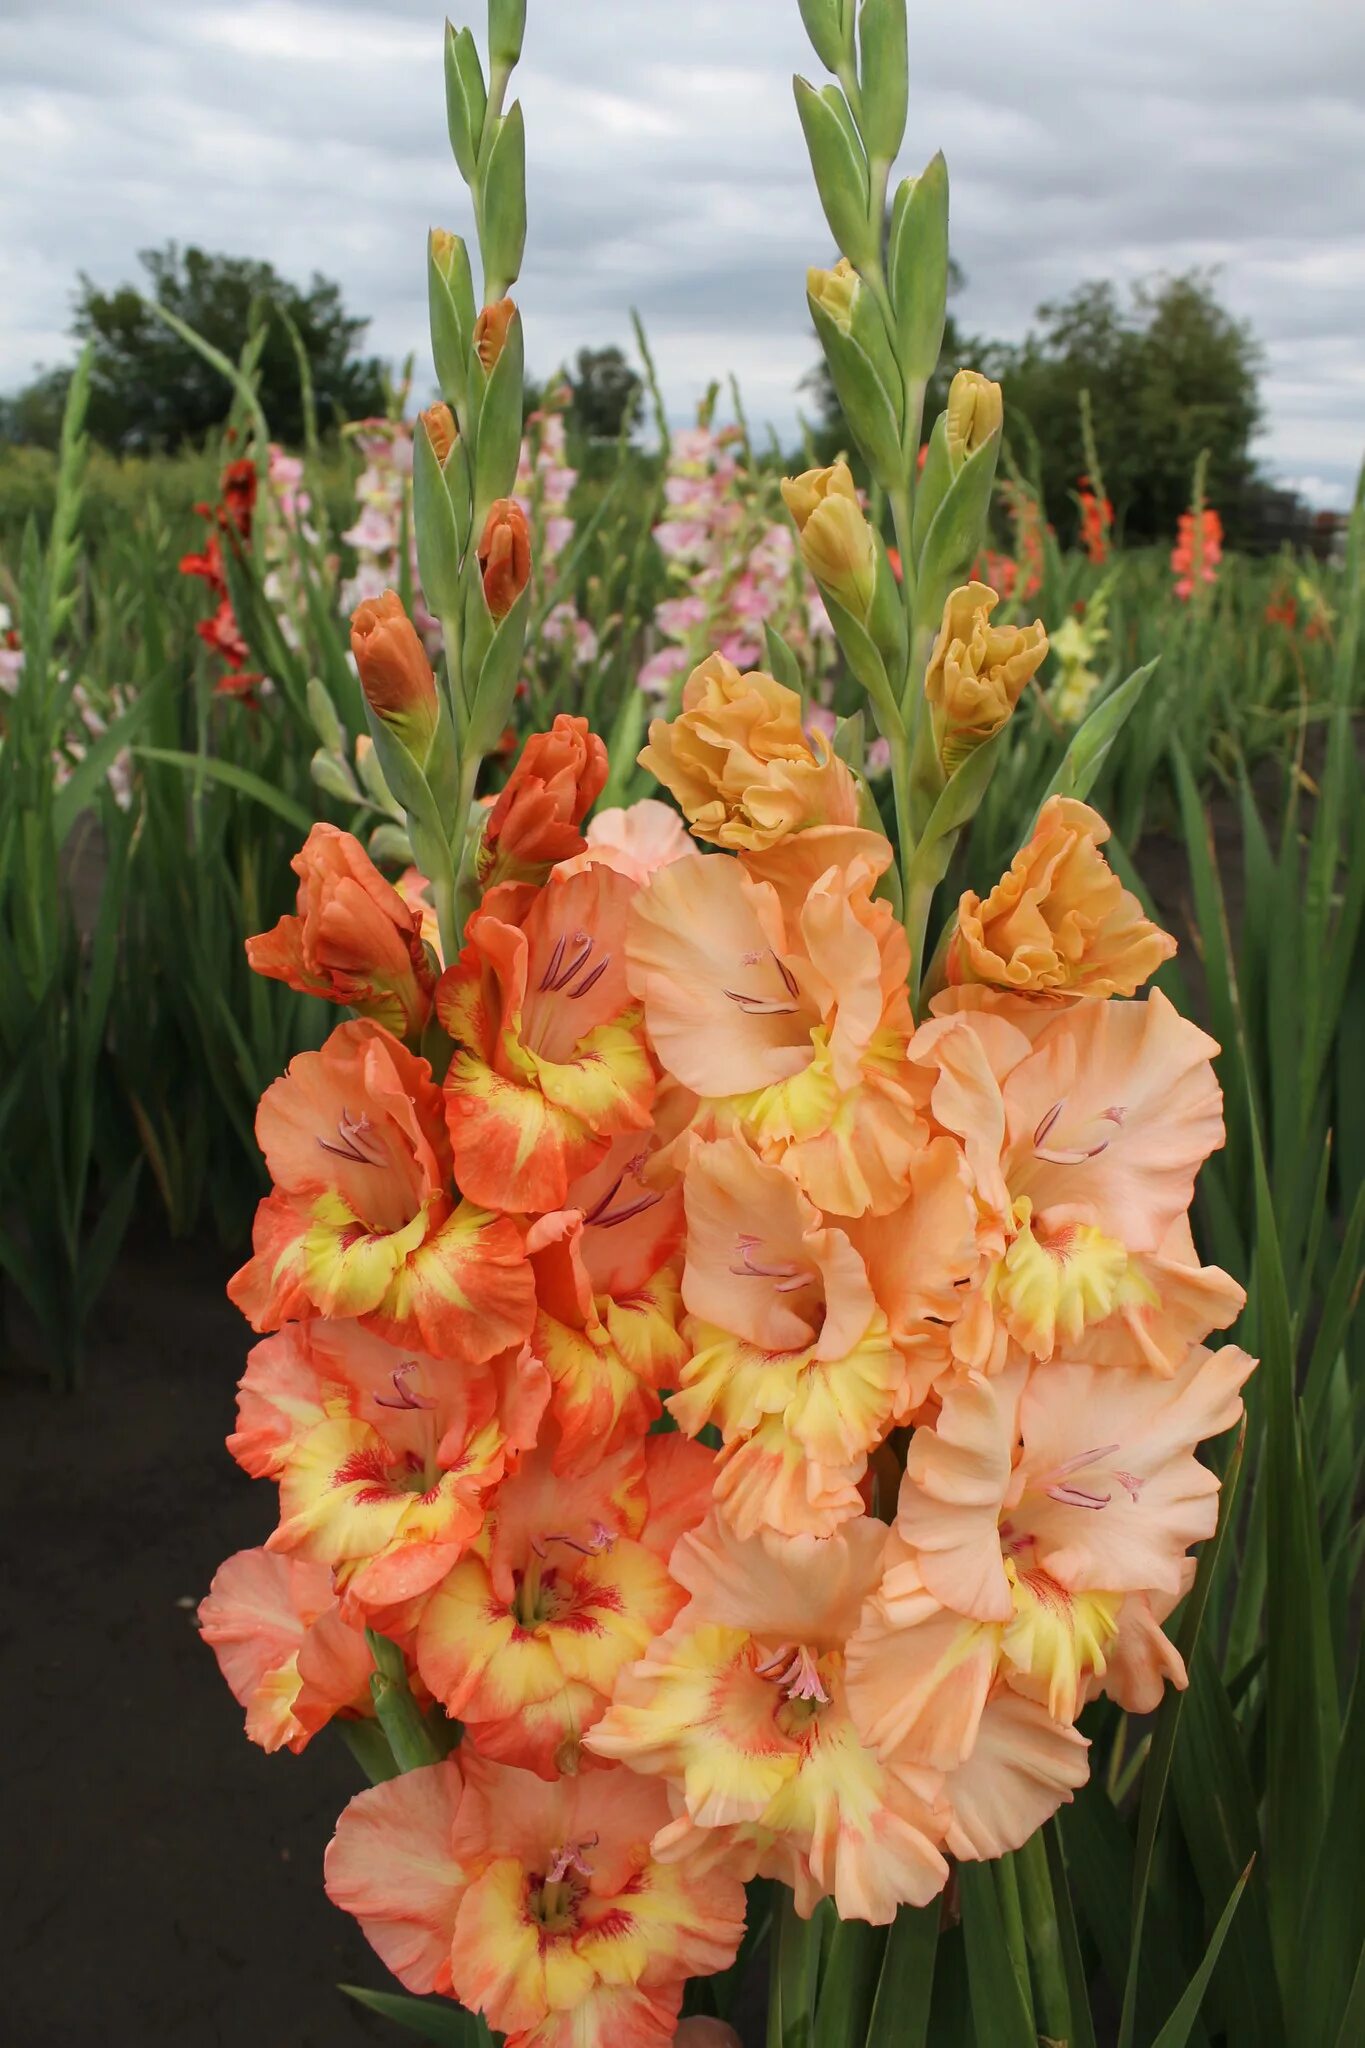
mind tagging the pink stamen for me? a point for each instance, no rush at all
(787, 1276)
(1071, 1155)
(646, 1199)
(557, 976)
(796, 1671)
(405, 1396)
(602, 1538)
(1076, 1496)
(572, 1857)
(351, 1130)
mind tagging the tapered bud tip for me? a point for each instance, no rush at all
(504, 556)
(442, 431)
(976, 410)
(835, 291)
(394, 671)
(838, 547)
(803, 493)
(490, 330)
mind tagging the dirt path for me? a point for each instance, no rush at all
(162, 1881)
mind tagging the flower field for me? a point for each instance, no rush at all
(775, 1053)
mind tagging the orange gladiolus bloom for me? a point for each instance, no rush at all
(362, 1222)
(353, 940)
(540, 1905)
(568, 1581)
(504, 556)
(384, 1458)
(1060, 923)
(535, 821)
(551, 1061)
(608, 1302)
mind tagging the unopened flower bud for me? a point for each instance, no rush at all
(838, 548)
(490, 331)
(803, 493)
(976, 410)
(443, 251)
(977, 672)
(394, 671)
(535, 822)
(439, 422)
(505, 556)
(835, 291)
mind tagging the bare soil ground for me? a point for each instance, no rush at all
(161, 1884)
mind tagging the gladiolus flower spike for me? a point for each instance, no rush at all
(751, 1407)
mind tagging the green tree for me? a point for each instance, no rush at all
(607, 394)
(149, 389)
(1169, 372)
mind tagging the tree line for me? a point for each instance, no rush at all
(1169, 372)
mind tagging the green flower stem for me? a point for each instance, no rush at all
(406, 1732)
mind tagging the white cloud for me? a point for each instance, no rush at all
(666, 171)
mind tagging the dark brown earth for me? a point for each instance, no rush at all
(161, 1879)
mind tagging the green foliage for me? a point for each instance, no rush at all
(149, 390)
(608, 395)
(1169, 373)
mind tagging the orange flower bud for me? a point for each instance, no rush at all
(490, 331)
(535, 821)
(442, 431)
(394, 671)
(505, 556)
(353, 940)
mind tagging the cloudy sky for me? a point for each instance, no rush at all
(1085, 138)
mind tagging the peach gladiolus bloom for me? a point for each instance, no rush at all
(1059, 923)
(551, 1062)
(639, 838)
(792, 1357)
(353, 940)
(539, 1905)
(288, 1655)
(740, 763)
(361, 1220)
(1083, 1135)
(535, 820)
(395, 674)
(774, 989)
(504, 555)
(741, 1705)
(568, 1582)
(1036, 1503)
(384, 1458)
(608, 1303)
